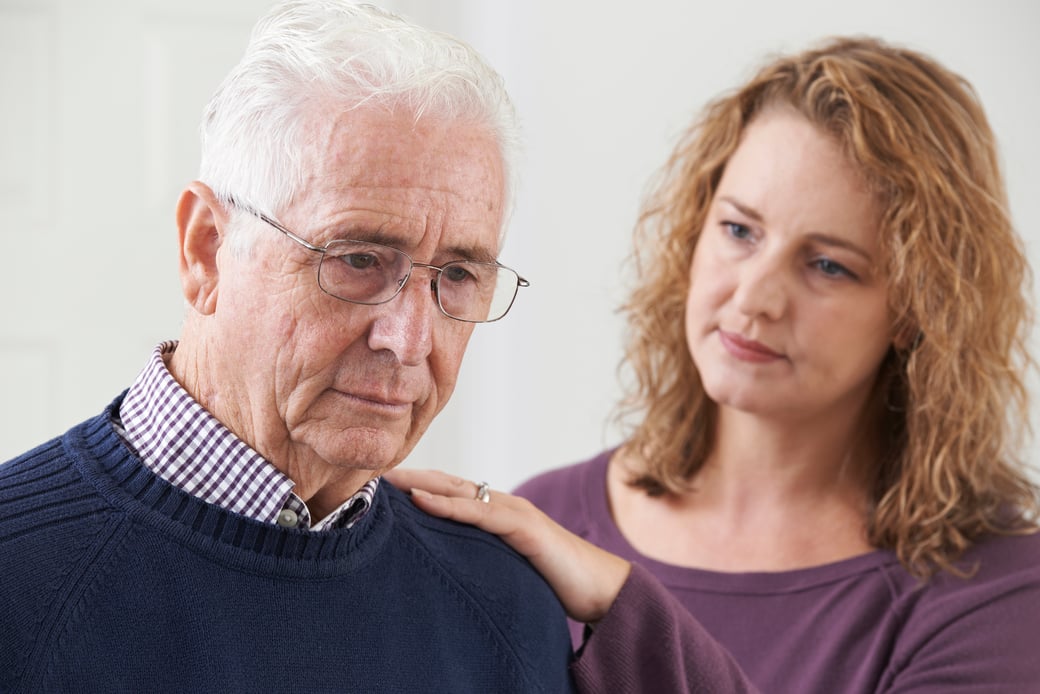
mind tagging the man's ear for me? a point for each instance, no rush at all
(201, 225)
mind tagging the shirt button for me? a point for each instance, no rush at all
(287, 518)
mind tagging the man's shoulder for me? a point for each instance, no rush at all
(45, 497)
(51, 522)
(467, 545)
(474, 559)
(29, 479)
(468, 571)
(13, 470)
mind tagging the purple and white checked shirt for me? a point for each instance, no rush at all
(179, 440)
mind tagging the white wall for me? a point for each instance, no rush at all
(90, 168)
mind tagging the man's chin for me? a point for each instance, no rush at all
(364, 450)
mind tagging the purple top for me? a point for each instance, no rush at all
(859, 625)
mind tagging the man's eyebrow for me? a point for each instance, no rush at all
(480, 254)
(476, 253)
(367, 234)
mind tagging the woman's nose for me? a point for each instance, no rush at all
(763, 287)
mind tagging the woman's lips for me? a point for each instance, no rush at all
(747, 350)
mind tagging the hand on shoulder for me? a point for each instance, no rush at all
(584, 577)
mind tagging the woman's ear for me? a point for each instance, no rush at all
(201, 224)
(907, 337)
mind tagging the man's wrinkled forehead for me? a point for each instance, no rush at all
(392, 178)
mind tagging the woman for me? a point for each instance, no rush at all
(828, 340)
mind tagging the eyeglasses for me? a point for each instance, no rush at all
(362, 272)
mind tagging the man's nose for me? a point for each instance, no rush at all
(405, 323)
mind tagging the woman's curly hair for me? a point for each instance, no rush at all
(951, 405)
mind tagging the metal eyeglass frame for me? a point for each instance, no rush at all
(434, 282)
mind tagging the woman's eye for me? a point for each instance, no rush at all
(737, 231)
(832, 269)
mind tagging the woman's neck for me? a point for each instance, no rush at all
(770, 497)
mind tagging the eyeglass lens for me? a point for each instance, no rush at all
(368, 273)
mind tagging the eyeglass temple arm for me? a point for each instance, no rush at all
(303, 242)
(264, 218)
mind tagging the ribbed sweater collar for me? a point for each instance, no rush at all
(129, 487)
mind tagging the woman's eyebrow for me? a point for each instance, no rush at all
(743, 209)
(819, 236)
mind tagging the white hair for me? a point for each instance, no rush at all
(307, 52)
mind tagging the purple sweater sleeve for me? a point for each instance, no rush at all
(648, 642)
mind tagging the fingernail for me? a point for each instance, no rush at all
(422, 493)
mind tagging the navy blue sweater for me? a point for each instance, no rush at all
(112, 580)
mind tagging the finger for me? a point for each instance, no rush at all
(443, 484)
(492, 517)
(586, 578)
(435, 482)
(519, 523)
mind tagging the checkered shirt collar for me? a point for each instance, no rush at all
(179, 440)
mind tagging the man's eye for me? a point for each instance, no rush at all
(359, 261)
(457, 273)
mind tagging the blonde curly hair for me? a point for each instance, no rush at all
(950, 408)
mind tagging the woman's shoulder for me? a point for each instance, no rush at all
(1014, 551)
(570, 494)
(558, 480)
(993, 560)
(982, 624)
(998, 575)
(997, 568)
(993, 564)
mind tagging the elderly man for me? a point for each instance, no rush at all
(221, 526)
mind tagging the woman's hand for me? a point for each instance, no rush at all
(585, 578)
